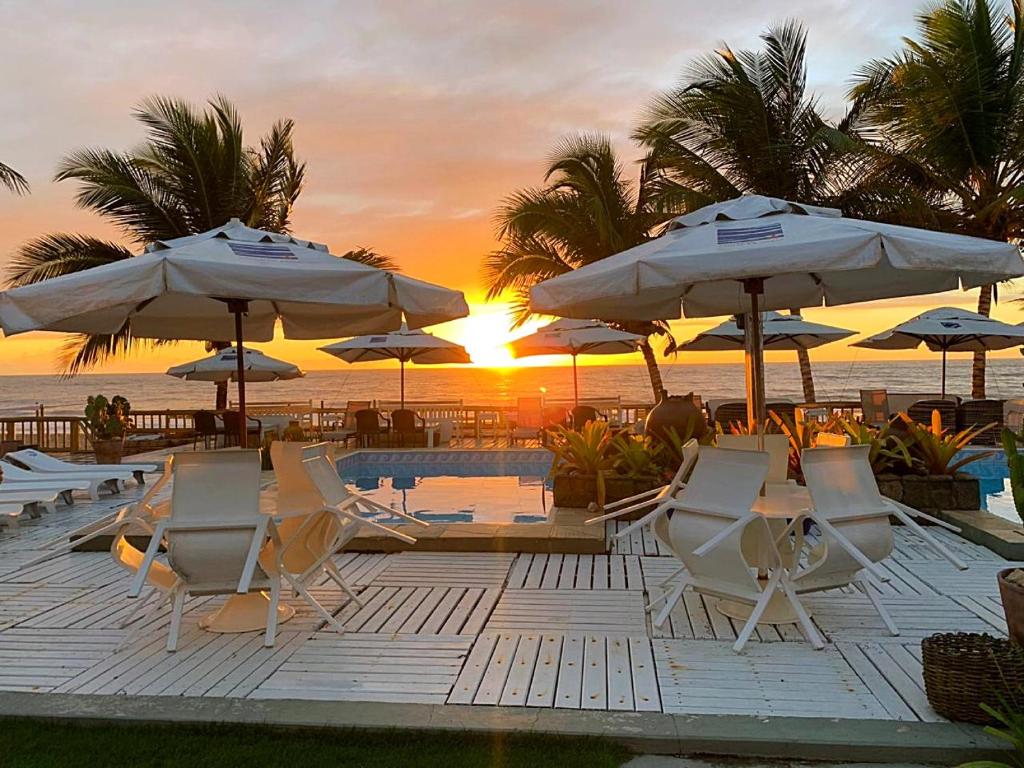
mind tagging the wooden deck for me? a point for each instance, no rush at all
(511, 629)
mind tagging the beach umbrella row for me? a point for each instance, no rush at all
(223, 366)
(231, 282)
(755, 253)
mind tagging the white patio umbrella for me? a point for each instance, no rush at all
(948, 329)
(575, 337)
(403, 345)
(223, 366)
(757, 253)
(780, 333)
(232, 282)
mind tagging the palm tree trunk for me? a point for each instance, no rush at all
(978, 371)
(806, 375)
(657, 385)
(222, 396)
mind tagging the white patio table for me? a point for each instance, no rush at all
(781, 504)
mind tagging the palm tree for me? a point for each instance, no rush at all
(743, 122)
(949, 108)
(13, 180)
(585, 212)
(193, 172)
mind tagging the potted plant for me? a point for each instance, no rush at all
(108, 423)
(1011, 580)
(888, 454)
(637, 467)
(582, 459)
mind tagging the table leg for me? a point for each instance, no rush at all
(244, 613)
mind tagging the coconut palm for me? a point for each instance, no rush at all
(949, 107)
(586, 211)
(193, 172)
(13, 180)
(744, 122)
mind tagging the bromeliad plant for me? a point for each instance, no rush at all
(1015, 463)
(934, 449)
(107, 419)
(888, 452)
(637, 456)
(583, 452)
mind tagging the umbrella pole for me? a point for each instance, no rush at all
(401, 364)
(575, 385)
(753, 340)
(238, 308)
(943, 373)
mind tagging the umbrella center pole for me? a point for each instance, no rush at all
(239, 307)
(753, 340)
(575, 385)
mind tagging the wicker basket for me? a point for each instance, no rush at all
(962, 671)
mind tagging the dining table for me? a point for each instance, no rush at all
(779, 505)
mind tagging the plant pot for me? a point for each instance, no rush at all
(1012, 596)
(581, 490)
(962, 671)
(108, 451)
(931, 493)
(678, 413)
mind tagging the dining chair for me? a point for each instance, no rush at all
(709, 519)
(776, 445)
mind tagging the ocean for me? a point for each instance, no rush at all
(834, 381)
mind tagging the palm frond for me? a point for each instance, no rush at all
(13, 180)
(371, 258)
(60, 254)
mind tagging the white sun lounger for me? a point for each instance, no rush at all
(42, 462)
(42, 497)
(66, 481)
(10, 514)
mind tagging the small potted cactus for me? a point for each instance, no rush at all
(108, 423)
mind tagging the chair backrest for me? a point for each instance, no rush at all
(777, 447)
(219, 488)
(530, 412)
(722, 489)
(831, 440)
(325, 478)
(404, 420)
(232, 420)
(554, 416)
(295, 491)
(351, 409)
(921, 412)
(730, 411)
(974, 414)
(581, 414)
(368, 421)
(34, 459)
(204, 422)
(691, 449)
(781, 408)
(844, 491)
(874, 406)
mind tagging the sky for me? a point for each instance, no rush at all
(415, 118)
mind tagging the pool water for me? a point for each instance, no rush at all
(994, 477)
(457, 486)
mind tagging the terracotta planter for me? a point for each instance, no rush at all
(678, 413)
(933, 492)
(108, 451)
(581, 490)
(1012, 596)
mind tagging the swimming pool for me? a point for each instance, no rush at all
(448, 486)
(994, 477)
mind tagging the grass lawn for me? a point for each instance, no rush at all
(31, 743)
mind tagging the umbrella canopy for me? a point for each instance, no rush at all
(781, 333)
(948, 329)
(575, 337)
(201, 286)
(223, 366)
(755, 253)
(403, 345)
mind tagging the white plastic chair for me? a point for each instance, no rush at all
(706, 530)
(22, 478)
(853, 520)
(655, 495)
(214, 536)
(43, 462)
(776, 445)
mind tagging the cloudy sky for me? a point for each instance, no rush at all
(415, 117)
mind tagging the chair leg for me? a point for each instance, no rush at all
(275, 599)
(671, 601)
(877, 603)
(141, 603)
(810, 631)
(177, 608)
(314, 604)
(759, 608)
(335, 575)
